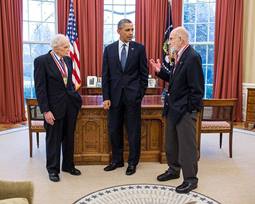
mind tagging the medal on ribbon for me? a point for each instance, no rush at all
(65, 80)
(61, 66)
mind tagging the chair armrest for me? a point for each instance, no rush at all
(19, 189)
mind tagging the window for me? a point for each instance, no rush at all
(199, 20)
(114, 11)
(39, 25)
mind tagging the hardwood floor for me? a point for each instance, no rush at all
(12, 126)
(241, 125)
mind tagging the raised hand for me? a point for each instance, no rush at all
(155, 65)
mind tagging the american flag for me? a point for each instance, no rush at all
(74, 47)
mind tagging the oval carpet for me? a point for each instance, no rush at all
(143, 194)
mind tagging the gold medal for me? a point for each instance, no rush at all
(65, 80)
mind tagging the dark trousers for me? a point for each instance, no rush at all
(61, 134)
(180, 147)
(129, 114)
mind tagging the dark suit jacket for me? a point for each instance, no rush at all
(186, 85)
(133, 81)
(51, 93)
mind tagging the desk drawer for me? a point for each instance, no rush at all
(251, 92)
(251, 100)
(250, 107)
(250, 116)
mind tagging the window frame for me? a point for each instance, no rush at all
(29, 84)
(208, 43)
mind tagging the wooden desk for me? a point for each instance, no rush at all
(91, 135)
(98, 91)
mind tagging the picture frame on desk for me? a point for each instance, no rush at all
(99, 82)
(151, 83)
(91, 81)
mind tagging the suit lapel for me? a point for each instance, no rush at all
(180, 64)
(54, 67)
(68, 66)
(69, 77)
(116, 54)
(131, 49)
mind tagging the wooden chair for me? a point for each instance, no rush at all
(217, 116)
(35, 122)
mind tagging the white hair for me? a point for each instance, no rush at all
(58, 40)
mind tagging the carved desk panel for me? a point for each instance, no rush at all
(91, 135)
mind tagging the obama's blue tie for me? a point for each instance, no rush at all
(123, 57)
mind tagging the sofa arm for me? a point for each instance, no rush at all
(19, 189)
(14, 201)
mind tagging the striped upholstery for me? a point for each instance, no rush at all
(212, 125)
(37, 124)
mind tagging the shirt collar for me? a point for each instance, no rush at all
(56, 55)
(182, 50)
(121, 44)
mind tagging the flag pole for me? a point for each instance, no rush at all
(72, 35)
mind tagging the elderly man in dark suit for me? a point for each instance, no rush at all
(186, 90)
(124, 81)
(59, 103)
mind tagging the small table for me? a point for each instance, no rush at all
(98, 90)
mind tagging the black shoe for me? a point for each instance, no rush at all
(186, 187)
(168, 175)
(130, 170)
(73, 171)
(54, 177)
(113, 166)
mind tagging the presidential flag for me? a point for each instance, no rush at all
(166, 63)
(74, 46)
(169, 27)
